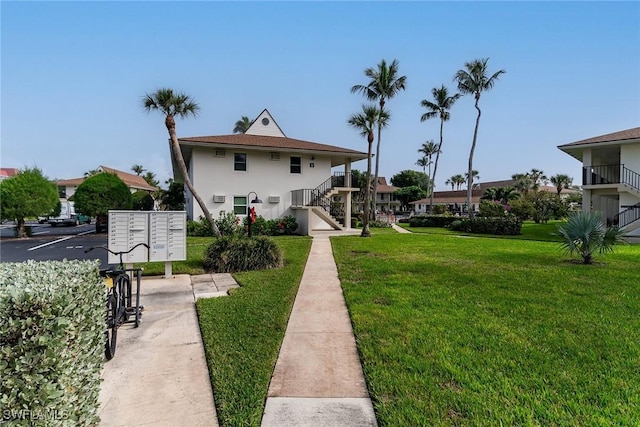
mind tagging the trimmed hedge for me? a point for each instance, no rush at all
(431, 220)
(51, 342)
(503, 226)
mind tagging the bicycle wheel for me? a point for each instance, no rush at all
(124, 290)
(111, 333)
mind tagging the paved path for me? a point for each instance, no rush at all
(399, 229)
(159, 375)
(318, 378)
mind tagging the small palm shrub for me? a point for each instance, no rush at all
(584, 234)
(229, 254)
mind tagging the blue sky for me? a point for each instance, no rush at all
(74, 73)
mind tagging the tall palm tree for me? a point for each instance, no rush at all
(450, 182)
(173, 104)
(428, 149)
(474, 80)
(439, 108)
(523, 182)
(365, 122)
(561, 181)
(475, 175)
(138, 169)
(242, 125)
(423, 162)
(538, 178)
(384, 84)
(458, 180)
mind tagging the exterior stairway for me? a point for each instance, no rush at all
(319, 199)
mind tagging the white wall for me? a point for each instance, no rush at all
(630, 156)
(216, 176)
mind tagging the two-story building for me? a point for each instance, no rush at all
(288, 176)
(68, 187)
(611, 177)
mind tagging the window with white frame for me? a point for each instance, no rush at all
(240, 205)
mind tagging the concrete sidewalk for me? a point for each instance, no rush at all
(159, 375)
(318, 378)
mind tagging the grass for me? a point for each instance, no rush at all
(487, 331)
(196, 247)
(242, 334)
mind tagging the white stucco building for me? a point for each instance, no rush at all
(611, 177)
(290, 176)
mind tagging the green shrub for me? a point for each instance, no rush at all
(142, 201)
(51, 342)
(431, 220)
(379, 224)
(508, 225)
(199, 228)
(439, 209)
(273, 227)
(231, 253)
(228, 223)
(522, 209)
(491, 208)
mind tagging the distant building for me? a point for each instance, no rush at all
(67, 187)
(8, 173)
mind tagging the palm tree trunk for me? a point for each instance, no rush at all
(375, 182)
(367, 197)
(435, 166)
(177, 154)
(473, 148)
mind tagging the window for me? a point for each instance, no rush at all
(240, 205)
(296, 164)
(239, 162)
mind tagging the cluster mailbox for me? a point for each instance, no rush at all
(164, 231)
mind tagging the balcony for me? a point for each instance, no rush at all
(610, 176)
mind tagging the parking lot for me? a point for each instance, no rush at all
(51, 243)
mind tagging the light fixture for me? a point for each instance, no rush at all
(250, 217)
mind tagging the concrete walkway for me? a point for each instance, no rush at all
(159, 375)
(318, 378)
(400, 229)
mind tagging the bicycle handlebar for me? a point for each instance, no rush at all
(116, 253)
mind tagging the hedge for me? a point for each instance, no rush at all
(506, 225)
(51, 342)
(432, 220)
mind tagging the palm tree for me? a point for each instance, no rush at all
(474, 80)
(523, 182)
(428, 149)
(138, 169)
(171, 104)
(585, 234)
(458, 180)
(365, 123)
(450, 182)
(439, 108)
(537, 178)
(384, 85)
(561, 181)
(474, 176)
(242, 125)
(423, 162)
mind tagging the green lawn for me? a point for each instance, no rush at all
(242, 334)
(490, 331)
(192, 265)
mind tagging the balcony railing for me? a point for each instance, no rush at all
(318, 196)
(610, 174)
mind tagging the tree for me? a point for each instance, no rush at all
(365, 122)
(171, 104)
(102, 192)
(173, 198)
(91, 172)
(450, 182)
(523, 182)
(428, 149)
(409, 194)
(384, 84)
(439, 108)
(242, 125)
(475, 175)
(584, 234)
(538, 178)
(25, 195)
(142, 201)
(500, 194)
(409, 178)
(474, 80)
(150, 178)
(561, 182)
(458, 180)
(138, 169)
(423, 162)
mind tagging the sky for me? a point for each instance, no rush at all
(73, 75)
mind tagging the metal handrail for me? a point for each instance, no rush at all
(610, 174)
(627, 216)
(318, 196)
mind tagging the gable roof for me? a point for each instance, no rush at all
(8, 172)
(265, 125)
(383, 187)
(135, 182)
(623, 135)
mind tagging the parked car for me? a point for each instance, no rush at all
(68, 215)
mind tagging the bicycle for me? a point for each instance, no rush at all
(119, 298)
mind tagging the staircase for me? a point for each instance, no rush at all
(319, 199)
(628, 218)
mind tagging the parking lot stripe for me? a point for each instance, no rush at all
(50, 243)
